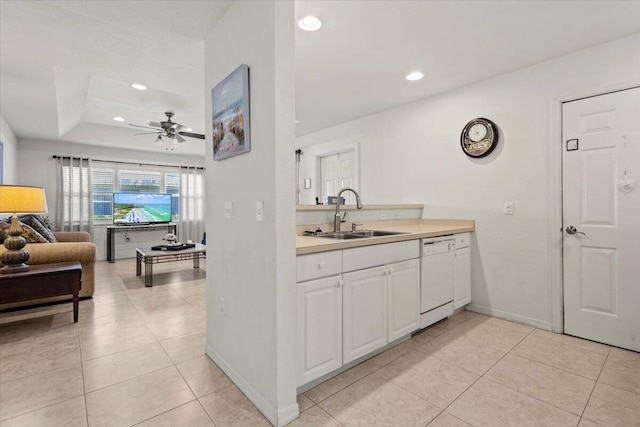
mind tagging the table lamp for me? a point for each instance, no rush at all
(16, 199)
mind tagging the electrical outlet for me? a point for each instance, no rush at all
(259, 211)
(508, 208)
(222, 307)
(228, 210)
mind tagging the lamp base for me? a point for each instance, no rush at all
(17, 268)
(15, 256)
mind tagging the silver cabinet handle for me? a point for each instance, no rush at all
(572, 230)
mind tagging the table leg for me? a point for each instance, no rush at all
(196, 260)
(75, 307)
(148, 271)
(138, 265)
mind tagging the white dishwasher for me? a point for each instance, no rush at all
(437, 279)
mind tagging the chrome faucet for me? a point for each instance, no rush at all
(338, 218)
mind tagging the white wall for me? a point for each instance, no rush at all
(10, 154)
(37, 167)
(252, 264)
(418, 148)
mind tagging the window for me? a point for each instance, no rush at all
(75, 184)
(172, 186)
(140, 182)
(102, 188)
(121, 179)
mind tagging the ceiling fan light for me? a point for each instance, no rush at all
(139, 86)
(309, 23)
(159, 140)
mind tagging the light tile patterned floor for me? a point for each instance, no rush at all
(137, 358)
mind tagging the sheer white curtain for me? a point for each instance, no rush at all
(73, 196)
(191, 226)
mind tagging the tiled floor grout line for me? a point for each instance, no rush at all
(157, 340)
(84, 385)
(481, 376)
(595, 383)
(572, 346)
(535, 361)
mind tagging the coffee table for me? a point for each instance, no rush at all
(42, 281)
(149, 257)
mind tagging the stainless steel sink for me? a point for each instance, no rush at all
(358, 234)
(376, 233)
(343, 235)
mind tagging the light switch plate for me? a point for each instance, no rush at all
(259, 211)
(228, 210)
(508, 208)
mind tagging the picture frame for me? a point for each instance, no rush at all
(230, 115)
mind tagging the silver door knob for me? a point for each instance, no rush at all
(572, 230)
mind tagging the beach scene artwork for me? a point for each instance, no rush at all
(230, 115)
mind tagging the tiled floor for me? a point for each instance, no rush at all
(137, 358)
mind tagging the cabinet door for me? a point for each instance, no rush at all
(403, 293)
(365, 312)
(462, 288)
(319, 328)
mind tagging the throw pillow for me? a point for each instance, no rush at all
(3, 233)
(31, 235)
(34, 222)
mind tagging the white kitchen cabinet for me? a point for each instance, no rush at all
(319, 329)
(403, 294)
(375, 255)
(462, 286)
(364, 313)
(315, 266)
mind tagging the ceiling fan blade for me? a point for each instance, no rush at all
(179, 138)
(144, 127)
(155, 124)
(147, 133)
(192, 135)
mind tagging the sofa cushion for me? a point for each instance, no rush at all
(38, 225)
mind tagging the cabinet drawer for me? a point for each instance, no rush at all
(313, 266)
(463, 240)
(371, 256)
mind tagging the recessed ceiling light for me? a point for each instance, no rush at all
(189, 129)
(416, 75)
(309, 23)
(118, 119)
(139, 86)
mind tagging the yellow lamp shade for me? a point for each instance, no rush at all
(22, 199)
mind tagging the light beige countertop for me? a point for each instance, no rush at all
(415, 229)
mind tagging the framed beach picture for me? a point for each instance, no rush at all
(230, 115)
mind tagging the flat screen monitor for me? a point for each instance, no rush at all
(132, 208)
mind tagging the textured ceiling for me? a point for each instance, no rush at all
(66, 66)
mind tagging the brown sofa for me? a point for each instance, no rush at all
(71, 246)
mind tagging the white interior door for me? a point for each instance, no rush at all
(601, 153)
(337, 171)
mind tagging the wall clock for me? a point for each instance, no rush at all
(479, 137)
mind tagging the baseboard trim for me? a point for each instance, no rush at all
(288, 414)
(510, 316)
(256, 398)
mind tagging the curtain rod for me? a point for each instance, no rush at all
(128, 163)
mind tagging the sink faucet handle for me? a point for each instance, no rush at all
(354, 225)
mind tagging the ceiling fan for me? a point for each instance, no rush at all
(168, 129)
